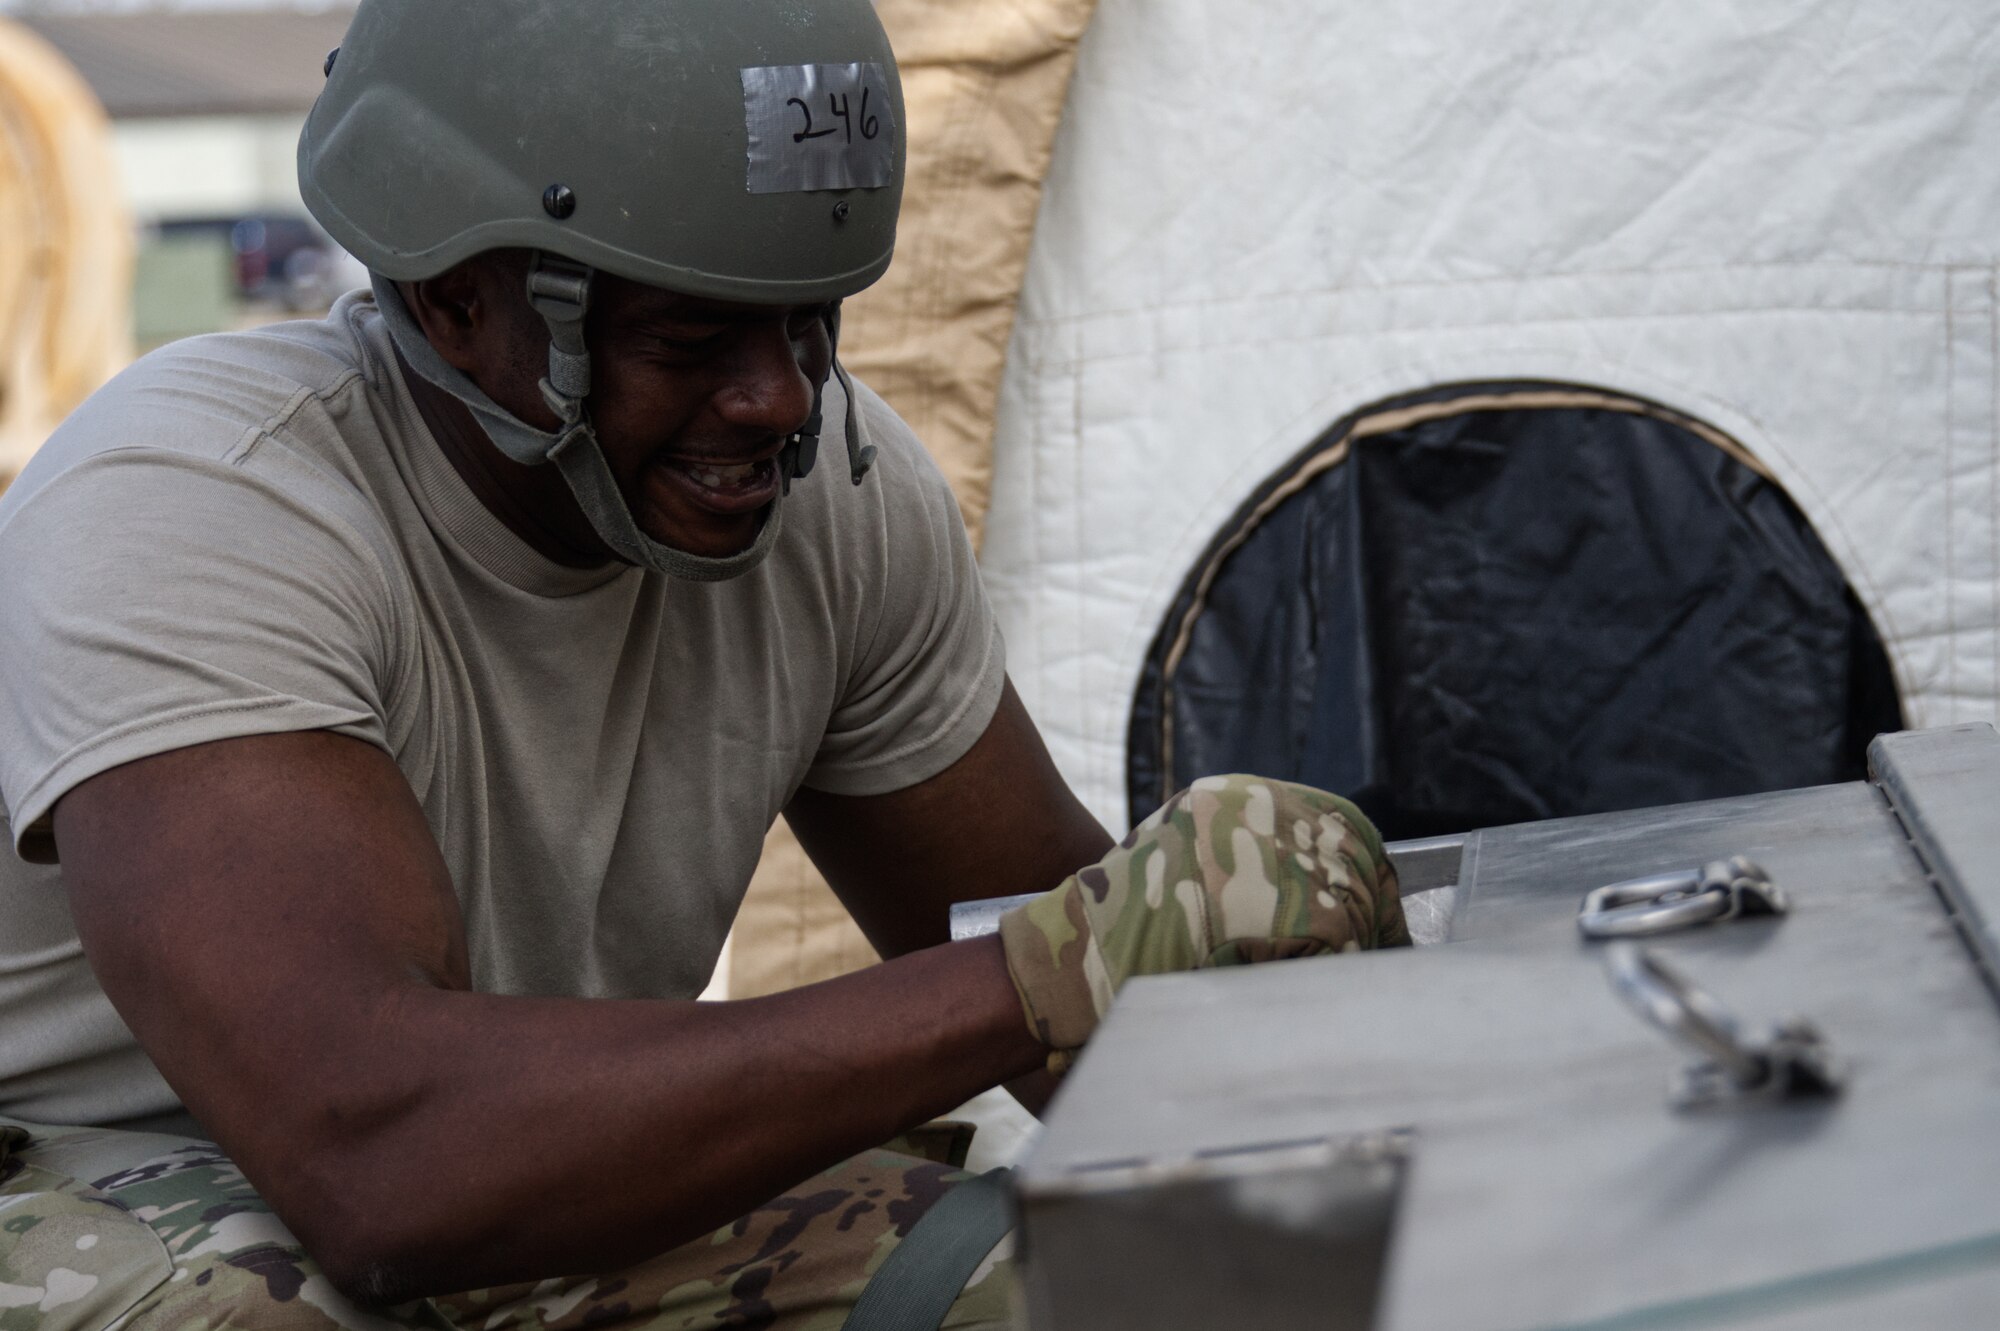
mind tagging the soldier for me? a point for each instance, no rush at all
(394, 707)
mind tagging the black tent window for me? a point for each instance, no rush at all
(1490, 603)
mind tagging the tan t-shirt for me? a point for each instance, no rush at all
(253, 533)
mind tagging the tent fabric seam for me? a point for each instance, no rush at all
(1582, 275)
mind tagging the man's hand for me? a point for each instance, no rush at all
(1234, 869)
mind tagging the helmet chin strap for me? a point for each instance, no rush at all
(559, 291)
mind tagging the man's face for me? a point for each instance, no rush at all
(692, 399)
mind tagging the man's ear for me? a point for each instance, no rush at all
(477, 317)
(454, 312)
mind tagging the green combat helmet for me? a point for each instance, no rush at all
(744, 150)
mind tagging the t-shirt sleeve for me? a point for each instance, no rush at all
(155, 599)
(929, 666)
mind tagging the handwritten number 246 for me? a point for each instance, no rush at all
(837, 103)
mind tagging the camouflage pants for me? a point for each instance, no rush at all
(152, 1233)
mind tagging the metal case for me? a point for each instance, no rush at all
(1479, 1136)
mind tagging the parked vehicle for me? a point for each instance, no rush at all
(280, 258)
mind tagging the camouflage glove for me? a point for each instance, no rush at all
(1235, 869)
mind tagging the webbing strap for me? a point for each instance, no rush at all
(559, 291)
(915, 1287)
(860, 454)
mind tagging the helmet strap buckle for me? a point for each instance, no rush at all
(559, 291)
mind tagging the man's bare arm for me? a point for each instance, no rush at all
(999, 822)
(273, 919)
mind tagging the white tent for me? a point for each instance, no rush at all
(1779, 219)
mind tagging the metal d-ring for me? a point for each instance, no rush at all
(1684, 1012)
(1662, 903)
(1791, 1061)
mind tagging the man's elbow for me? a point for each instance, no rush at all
(356, 1188)
(375, 1283)
(373, 1255)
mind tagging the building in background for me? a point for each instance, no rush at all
(206, 102)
